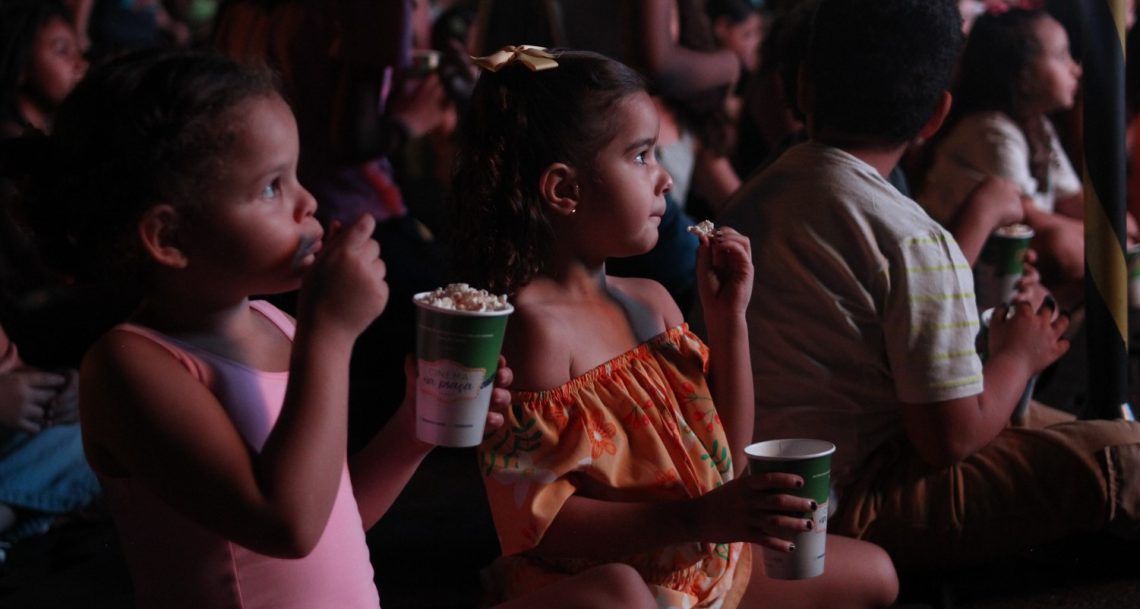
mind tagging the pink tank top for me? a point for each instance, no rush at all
(177, 563)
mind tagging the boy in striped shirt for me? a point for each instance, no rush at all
(863, 320)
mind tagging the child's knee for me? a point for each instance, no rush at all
(882, 579)
(623, 586)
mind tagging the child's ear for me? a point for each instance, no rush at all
(941, 111)
(558, 186)
(158, 229)
(720, 28)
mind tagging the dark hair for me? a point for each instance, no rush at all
(996, 62)
(994, 75)
(736, 11)
(785, 46)
(518, 123)
(20, 22)
(146, 128)
(879, 66)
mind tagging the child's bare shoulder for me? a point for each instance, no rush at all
(536, 346)
(651, 294)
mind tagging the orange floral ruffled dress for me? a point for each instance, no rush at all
(639, 428)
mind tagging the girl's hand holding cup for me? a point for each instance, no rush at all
(752, 509)
(500, 397)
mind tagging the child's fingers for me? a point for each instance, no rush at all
(494, 422)
(504, 376)
(775, 543)
(500, 399)
(777, 526)
(361, 231)
(1060, 324)
(775, 480)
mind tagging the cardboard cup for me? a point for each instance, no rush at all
(1134, 277)
(458, 353)
(811, 460)
(1001, 265)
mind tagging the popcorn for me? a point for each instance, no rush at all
(462, 297)
(706, 228)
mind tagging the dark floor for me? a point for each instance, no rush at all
(425, 561)
(429, 548)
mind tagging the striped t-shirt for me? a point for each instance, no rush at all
(861, 302)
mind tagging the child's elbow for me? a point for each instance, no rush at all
(287, 540)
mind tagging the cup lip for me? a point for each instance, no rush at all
(1027, 232)
(428, 307)
(819, 448)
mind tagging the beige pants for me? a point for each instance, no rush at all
(1034, 484)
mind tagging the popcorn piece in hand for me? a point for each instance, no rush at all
(462, 297)
(706, 228)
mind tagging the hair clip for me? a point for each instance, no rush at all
(534, 58)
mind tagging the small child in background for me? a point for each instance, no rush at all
(739, 27)
(216, 423)
(40, 63)
(1016, 69)
(626, 439)
(42, 470)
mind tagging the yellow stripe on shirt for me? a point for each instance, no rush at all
(948, 384)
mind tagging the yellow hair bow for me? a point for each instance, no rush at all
(534, 58)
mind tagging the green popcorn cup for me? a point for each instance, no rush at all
(1001, 265)
(811, 460)
(458, 353)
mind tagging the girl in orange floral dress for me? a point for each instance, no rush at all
(625, 440)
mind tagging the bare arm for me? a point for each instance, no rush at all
(944, 433)
(741, 510)
(994, 203)
(724, 279)
(382, 469)
(678, 71)
(715, 178)
(146, 417)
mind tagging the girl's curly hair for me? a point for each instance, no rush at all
(518, 123)
(149, 127)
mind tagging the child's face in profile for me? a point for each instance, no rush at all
(1054, 76)
(257, 227)
(742, 38)
(623, 196)
(56, 64)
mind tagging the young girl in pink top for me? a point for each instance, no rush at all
(626, 439)
(217, 423)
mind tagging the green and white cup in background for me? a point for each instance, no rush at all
(811, 460)
(1001, 265)
(458, 355)
(1134, 277)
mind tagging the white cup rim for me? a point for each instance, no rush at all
(417, 299)
(787, 449)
